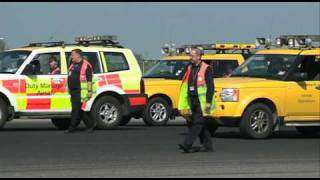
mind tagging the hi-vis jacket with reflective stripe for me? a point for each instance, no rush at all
(84, 82)
(184, 101)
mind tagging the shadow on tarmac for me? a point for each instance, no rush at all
(284, 134)
(57, 130)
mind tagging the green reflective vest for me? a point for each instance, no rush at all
(84, 82)
(184, 100)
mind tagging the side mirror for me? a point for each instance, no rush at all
(299, 76)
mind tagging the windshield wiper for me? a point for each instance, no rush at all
(4, 72)
(255, 76)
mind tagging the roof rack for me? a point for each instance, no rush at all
(220, 48)
(315, 38)
(84, 41)
(104, 40)
(290, 41)
(47, 44)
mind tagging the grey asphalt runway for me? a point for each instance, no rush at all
(34, 148)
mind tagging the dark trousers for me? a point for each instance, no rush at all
(198, 126)
(77, 113)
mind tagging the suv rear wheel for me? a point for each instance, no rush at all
(107, 112)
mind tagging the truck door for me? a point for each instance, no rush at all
(303, 94)
(44, 92)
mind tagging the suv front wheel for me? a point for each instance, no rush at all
(257, 122)
(157, 112)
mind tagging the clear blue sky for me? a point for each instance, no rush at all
(145, 27)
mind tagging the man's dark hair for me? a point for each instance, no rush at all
(78, 51)
(199, 51)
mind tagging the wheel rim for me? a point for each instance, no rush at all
(108, 113)
(259, 122)
(158, 112)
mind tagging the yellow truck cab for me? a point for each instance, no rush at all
(28, 90)
(278, 86)
(162, 82)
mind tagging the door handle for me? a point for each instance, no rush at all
(57, 80)
(99, 79)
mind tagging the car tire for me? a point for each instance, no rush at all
(157, 112)
(107, 112)
(257, 122)
(61, 123)
(308, 130)
(3, 113)
(125, 120)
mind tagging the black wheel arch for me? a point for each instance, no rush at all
(5, 98)
(164, 96)
(118, 96)
(268, 103)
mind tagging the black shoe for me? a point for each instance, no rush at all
(196, 149)
(204, 149)
(91, 129)
(188, 150)
(69, 131)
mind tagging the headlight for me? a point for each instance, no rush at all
(229, 95)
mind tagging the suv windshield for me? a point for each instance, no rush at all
(169, 69)
(10, 61)
(266, 66)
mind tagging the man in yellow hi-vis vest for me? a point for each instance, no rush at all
(80, 87)
(196, 99)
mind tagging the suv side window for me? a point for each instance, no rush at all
(223, 68)
(41, 62)
(311, 66)
(92, 57)
(116, 61)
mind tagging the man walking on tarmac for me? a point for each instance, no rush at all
(80, 87)
(196, 99)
